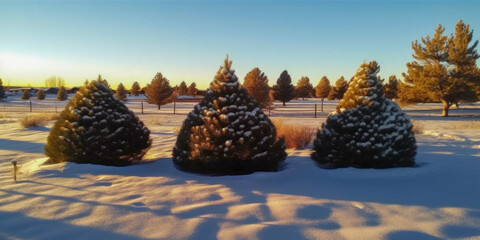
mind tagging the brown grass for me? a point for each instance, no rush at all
(296, 136)
(417, 127)
(464, 125)
(37, 119)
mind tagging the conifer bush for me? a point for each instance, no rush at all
(367, 130)
(227, 132)
(97, 128)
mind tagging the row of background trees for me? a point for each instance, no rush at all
(444, 70)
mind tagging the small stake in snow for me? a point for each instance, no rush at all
(14, 163)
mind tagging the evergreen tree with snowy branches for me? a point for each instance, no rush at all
(284, 90)
(367, 130)
(97, 128)
(227, 132)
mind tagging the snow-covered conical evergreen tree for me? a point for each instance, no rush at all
(227, 132)
(367, 130)
(95, 127)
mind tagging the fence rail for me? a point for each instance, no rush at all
(300, 109)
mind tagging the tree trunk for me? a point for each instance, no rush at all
(284, 104)
(446, 106)
(322, 104)
(159, 107)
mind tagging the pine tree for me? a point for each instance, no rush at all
(304, 88)
(40, 94)
(182, 89)
(462, 62)
(62, 94)
(97, 128)
(284, 91)
(192, 89)
(323, 89)
(340, 88)
(121, 92)
(227, 132)
(26, 94)
(256, 84)
(367, 130)
(135, 89)
(2, 90)
(159, 91)
(390, 89)
(443, 69)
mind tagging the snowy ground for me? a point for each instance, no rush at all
(437, 199)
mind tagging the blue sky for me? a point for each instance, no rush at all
(129, 41)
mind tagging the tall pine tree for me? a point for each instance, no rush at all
(390, 89)
(256, 84)
(121, 92)
(443, 69)
(182, 89)
(304, 88)
(284, 91)
(97, 128)
(323, 89)
(339, 89)
(367, 130)
(135, 89)
(227, 132)
(192, 89)
(159, 91)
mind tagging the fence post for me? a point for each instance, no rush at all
(315, 110)
(30, 106)
(142, 107)
(14, 163)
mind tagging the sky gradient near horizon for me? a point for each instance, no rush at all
(129, 41)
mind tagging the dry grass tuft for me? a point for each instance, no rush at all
(417, 127)
(37, 119)
(296, 136)
(5, 119)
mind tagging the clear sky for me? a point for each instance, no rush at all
(129, 41)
